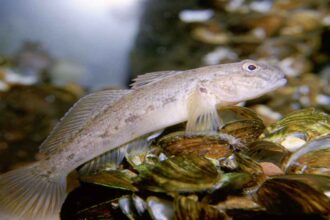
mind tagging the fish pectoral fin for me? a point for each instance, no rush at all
(202, 113)
(79, 116)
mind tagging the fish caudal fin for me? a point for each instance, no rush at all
(25, 194)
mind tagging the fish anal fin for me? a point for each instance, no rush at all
(202, 112)
(79, 116)
(107, 161)
(112, 159)
(150, 78)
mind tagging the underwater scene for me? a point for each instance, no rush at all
(163, 109)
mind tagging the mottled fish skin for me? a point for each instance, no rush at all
(156, 106)
(176, 97)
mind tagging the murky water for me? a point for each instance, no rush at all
(96, 35)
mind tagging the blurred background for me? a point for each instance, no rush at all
(53, 52)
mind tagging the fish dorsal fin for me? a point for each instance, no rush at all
(150, 78)
(79, 116)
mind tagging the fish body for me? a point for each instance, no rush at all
(107, 120)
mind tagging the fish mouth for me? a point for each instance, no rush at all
(278, 83)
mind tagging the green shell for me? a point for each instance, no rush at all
(307, 124)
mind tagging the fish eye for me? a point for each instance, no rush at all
(250, 67)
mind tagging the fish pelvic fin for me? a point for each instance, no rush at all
(27, 194)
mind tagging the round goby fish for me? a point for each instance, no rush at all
(107, 120)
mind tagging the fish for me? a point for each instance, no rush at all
(110, 120)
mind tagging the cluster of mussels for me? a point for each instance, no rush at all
(244, 171)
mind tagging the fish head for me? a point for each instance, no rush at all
(245, 80)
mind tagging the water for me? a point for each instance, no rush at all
(96, 34)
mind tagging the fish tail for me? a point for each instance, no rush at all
(27, 194)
